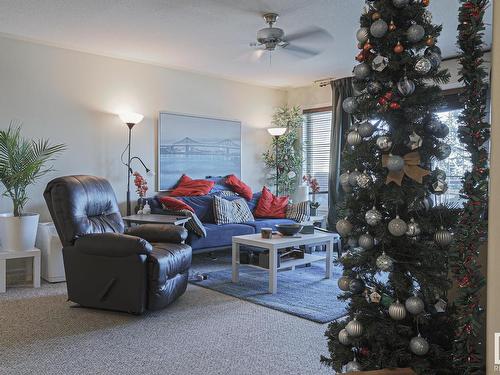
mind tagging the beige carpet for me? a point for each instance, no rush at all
(204, 332)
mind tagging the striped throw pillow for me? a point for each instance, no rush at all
(299, 212)
(235, 211)
(194, 225)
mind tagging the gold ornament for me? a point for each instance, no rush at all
(411, 169)
(376, 16)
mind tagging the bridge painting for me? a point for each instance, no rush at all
(198, 147)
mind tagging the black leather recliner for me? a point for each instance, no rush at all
(146, 268)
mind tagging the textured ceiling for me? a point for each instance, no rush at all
(207, 36)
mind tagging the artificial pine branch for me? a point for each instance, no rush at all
(474, 133)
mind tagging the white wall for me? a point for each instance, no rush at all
(73, 97)
(314, 96)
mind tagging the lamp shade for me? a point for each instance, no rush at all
(131, 118)
(276, 132)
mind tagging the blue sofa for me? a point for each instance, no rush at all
(218, 236)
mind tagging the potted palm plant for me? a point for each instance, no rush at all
(22, 163)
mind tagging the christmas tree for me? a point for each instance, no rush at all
(396, 269)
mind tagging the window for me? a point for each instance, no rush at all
(316, 147)
(459, 161)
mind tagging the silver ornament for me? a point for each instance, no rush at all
(415, 141)
(442, 131)
(439, 187)
(353, 366)
(354, 328)
(375, 297)
(374, 87)
(413, 229)
(443, 151)
(358, 85)
(419, 345)
(443, 238)
(344, 338)
(364, 180)
(366, 129)
(384, 262)
(356, 286)
(397, 227)
(346, 187)
(433, 126)
(415, 33)
(344, 227)
(414, 305)
(362, 35)
(400, 3)
(352, 242)
(384, 143)
(435, 59)
(395, 163)
(366, 241)
(343, 283)
(361, 71)
(354, 138)
(353, 178)
(350, 105)
(406, 86)
(380, 62)
(344, 178)
(439, 174)
(397, 311)
(433, 49)
(423, 66)
(427, 16)
(373, 217)
(379, 28)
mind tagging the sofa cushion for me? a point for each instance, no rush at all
(239, 187)
(202, 206)
(171, 203)
(231, 211)
(270, 205)
(187, 187)
(299, 211)
(219, 235)
(219, 184)
(258, 224)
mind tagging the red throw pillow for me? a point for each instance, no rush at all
(271, 206)
(174, 204)
(187, 187)
(239, 187)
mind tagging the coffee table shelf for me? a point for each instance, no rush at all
(281, 242)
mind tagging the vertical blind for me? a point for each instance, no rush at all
(316, 144)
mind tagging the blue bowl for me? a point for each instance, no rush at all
(289, 229)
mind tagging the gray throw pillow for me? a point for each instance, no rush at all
(234, 211)
(299, 212)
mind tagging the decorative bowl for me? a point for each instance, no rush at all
(289, 229)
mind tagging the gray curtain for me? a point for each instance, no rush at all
(341, 122)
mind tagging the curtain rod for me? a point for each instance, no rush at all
(326, 81)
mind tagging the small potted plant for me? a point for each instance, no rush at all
(22, 163)
(314, 187)
(141, 188)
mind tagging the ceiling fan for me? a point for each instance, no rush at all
(273, 38)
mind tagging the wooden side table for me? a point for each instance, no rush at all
(4, 255)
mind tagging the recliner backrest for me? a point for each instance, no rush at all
(81, 205)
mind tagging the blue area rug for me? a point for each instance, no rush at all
(303, 292)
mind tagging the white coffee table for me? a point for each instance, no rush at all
(280, 242)
(33, 253)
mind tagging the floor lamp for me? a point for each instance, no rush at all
(131, 119)
(277, 133)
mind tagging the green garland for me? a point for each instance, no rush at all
(474, 133)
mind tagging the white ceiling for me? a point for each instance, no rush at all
(207, 36)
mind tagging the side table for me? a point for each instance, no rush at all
(4, 255)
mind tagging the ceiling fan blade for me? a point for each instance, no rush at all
(300, 51)
(314, 32)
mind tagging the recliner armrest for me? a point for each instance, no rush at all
(159, 232)
(112, 245)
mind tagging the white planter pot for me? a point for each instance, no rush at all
(18, 233)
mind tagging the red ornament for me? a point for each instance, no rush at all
(426, 3)
(392, 26)
(399, 48)
(360, 57)
(364, 351)
(430, 41)
(367, 46)
(395, 106)
(388, 95)
(382, 101)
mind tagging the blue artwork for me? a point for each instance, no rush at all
(196, 146)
